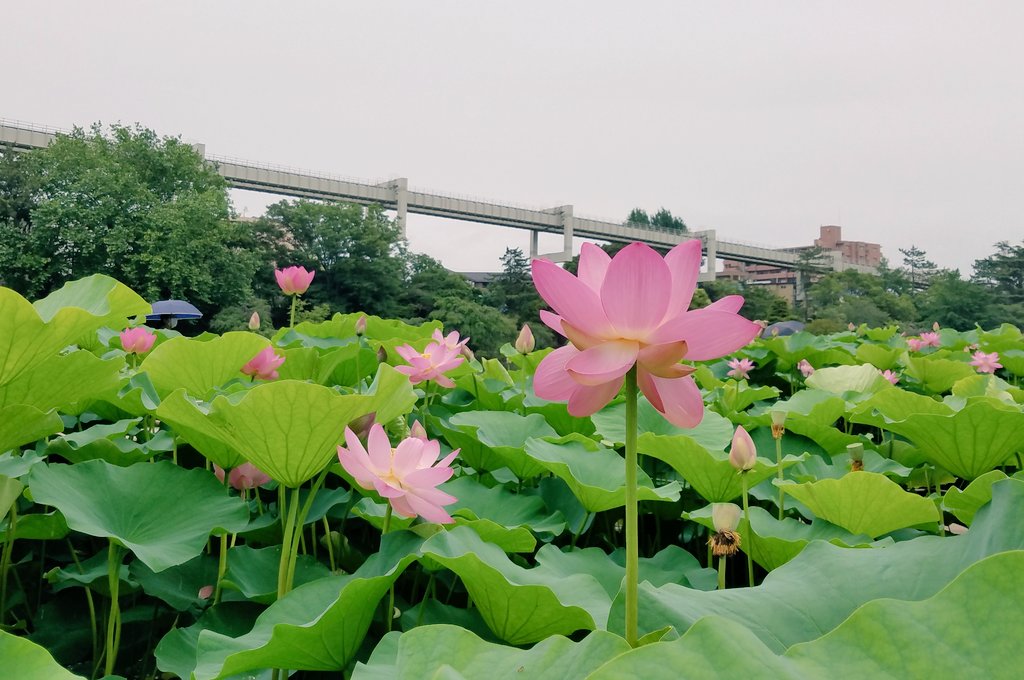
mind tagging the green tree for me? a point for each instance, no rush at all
(663, 219)
(810, 263)
(919, 268)
(1003, 272)
(956, 303)
(144, 209)
(487, 328)
(427, 280)
(852, 297)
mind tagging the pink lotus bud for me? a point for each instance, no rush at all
(361, 425)
(205, 592)
(254, 321)
(361, 326)
(935, 326)
(851, 327)
(244, 476)
(743, 454)
(805, 368)
(956, 529)
(294, 280)
(137, 340)
(382, 355)
(264, 365)
(525, 342)
(418, 431)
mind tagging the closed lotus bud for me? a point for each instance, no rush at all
(935, 326)
(467, 352)
(525, 342)
(856, 452)
(382, 354)
(957, 529)
(418, 431)
(361, 425)
(726, 540)
(778, 423)
(851, 327)
(743, 454)
(361, 326)
(254, 321)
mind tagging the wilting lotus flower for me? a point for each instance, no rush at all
(986, 363)
(137, 340)
(294, 280)
(740, 368)
(725, 517)
(244, 476)
(743, 454)
(525, 343)
(264, 365)
(437, 358)
(406, 475)
(890, 376)
(633, 309)
(930, 339)
(805, 368)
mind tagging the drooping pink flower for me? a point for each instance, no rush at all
(890, 376)
(437, 358)
(244, 476)
(633, 309)
(138, 340)
(930, 339)
(986, 363)
(740, 368)
(805, 368)
(525, 343)
(264, 365)
(405, 475)
(743, 453)
(294, 280)
(914, 344)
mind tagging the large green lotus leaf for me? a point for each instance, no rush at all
(735, 396)
(453, 653)
(864, 503)
(21, 424)
(110, 442)
(200, 366)
(670, 565)
(318, 626)
(964, 504)
(520, 605)
(10, 489)
(1013, 361)
(191, 420)
(498, 504)
(881, 357)
(961, 627)
(253, 571)
(714, 431)
(711, 474)
(840, 380)
(984, 385)
(38, 526)
(819, 588)
(159, 511)
(1007, 336)
(30, 661)
(815, 468)
(896, 404)
(472, 452)
(936, 374)
(505, 434)
(30, 334)
(62, 380)
(596, 475)
(176, 652)
(968, 442)
(813, 413)
(178, 586)
(343, 327)
(772, 543)
(17, 465)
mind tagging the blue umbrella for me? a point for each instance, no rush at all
(782, 328)
(169, 311)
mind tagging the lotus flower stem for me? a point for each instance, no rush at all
(746, 516)
(287, 529)
(330, 544)
(631, 528)
(301, 522)
(90, 603)
(291, 318)
(778, 475)
(389, 615)
(721, 572)
(5, 560)
(113, 640)
(222, 565)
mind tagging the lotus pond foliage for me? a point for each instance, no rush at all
(667, 494)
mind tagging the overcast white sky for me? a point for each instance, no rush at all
(901, 121)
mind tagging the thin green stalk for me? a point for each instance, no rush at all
(632, 530)
(114, 618)
(301, 522)
(778, 475)
(330, 544)
(222, 566)
(5, 561)
(291, 319)
(721, 572)
(89, 602)
(746, 516)
(288, 528)
(389, 615)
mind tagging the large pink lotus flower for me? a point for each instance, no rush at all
(137, 340)
(930, 339)
(890, 376)
(633, 309)
(986, 363)
(406, 475)
(740, 368)
(264, 365)
(294, 280)
(439, 356)
(244, 476)
(914, 344)
(805, 368)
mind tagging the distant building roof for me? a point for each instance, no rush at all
(478, 278)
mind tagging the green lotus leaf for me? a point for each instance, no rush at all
(39, 526)
(711, 474)
(813, 414)
(936, 374)
(881, 357)
(505, 434)
(200, 366)
(519, 605)
(596, 475)
(59, 381)
(136, 396)
(31, 661)
(253, 571)
(110, 442)
(178, 586)
(430, 651)
(863, 379)
(968, 442)
(318, 626)
(152, 509)
(498, 504)
(735, 396)
(343, 327)
(17, 465)
(864, 503)
(191, 421)
(815, 468)
(21, 424)
(1013, 361)
(10, 490)
(964, 504)
(961, 627)
(714, 431)
(176, 652)
(670, 565)
(824, 584)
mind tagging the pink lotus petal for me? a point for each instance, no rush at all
(635, 292)
(429, 476)
(552, 321)
(552, 381)
(402, 507)
(572, 299)
(586, 401)
(684, 263)
(428, 511)
(593, 266)
(603, 363)
(682, 403)
(378, 446)
(743, 453)
(663, 360)
(729, 303)
(708, 334)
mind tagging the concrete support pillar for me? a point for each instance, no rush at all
(567, 225)
(534, 234)
(711, 249)
(401, 187)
